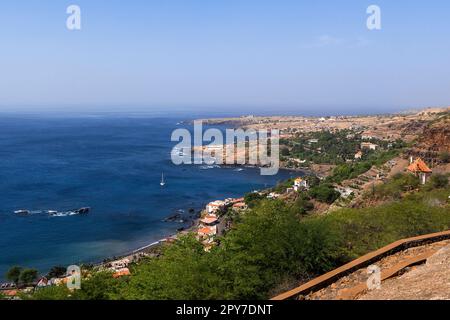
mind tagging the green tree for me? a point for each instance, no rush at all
(439, 181)
(324, 193)
(50, 293)
(56, 271)
(302, 205)
(252, 198)
(28, 276)
(13, 274)
(445, 157)
(99, 286)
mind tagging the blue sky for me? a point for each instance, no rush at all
(243, 55)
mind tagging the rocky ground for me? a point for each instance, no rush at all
(405, 126)
(430, 281)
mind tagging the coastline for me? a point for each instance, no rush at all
(146, 250)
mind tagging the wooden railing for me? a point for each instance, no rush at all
(364, 261)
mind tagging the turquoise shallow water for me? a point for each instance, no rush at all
(112, 164)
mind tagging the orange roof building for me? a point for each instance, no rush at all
(239, 206)
(209, 219)
(419, 166)
(420, 169)
(207, 231)
(10, 293)
(121, 273)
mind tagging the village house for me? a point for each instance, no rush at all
(300, 183)
(119, 264)
(289, 190)
(273, 195)
(10, 294)
(358, 155)
(206, 234)
(42, 283)
(419, 168)
(239, 206)
(369, 145)
(232, 201)
(215, 206)
(209, 220)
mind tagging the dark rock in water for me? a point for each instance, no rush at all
(180, 229)
(173, 218)
(83, 210)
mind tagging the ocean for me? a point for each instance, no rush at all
(111, 163)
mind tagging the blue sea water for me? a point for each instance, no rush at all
(111, 163)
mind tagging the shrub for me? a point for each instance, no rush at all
(28, 276)
(445, 157)
(13, 274)
(438, 181)
(324, 193)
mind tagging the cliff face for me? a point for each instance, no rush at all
(433, 141)
(437, 136)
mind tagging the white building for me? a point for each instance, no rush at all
(215, 206)
(368, 145)
(300, 183)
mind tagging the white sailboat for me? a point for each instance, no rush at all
(162, 183)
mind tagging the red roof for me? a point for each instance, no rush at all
(239, 205)
(121, 273)
(209, 219)
(10, 293)
(419, 166)
(206, 231)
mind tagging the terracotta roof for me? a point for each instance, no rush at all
(207, 231)
(209, 219)
(10, 293)
(121, 273)
(239, 205)
(419, 166)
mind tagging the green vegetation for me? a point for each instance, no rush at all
(395, 188)
(22, 276)
(282, 186)
(13, 274)
(437, 181)
(445, 157)
(303, 205)
(324, 193)
(271, 245)
(252, 198)
(400, 183)
(335, 148)
(352, 170)
(28, 276)
(56, 271)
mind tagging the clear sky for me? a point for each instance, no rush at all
(245, 55)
